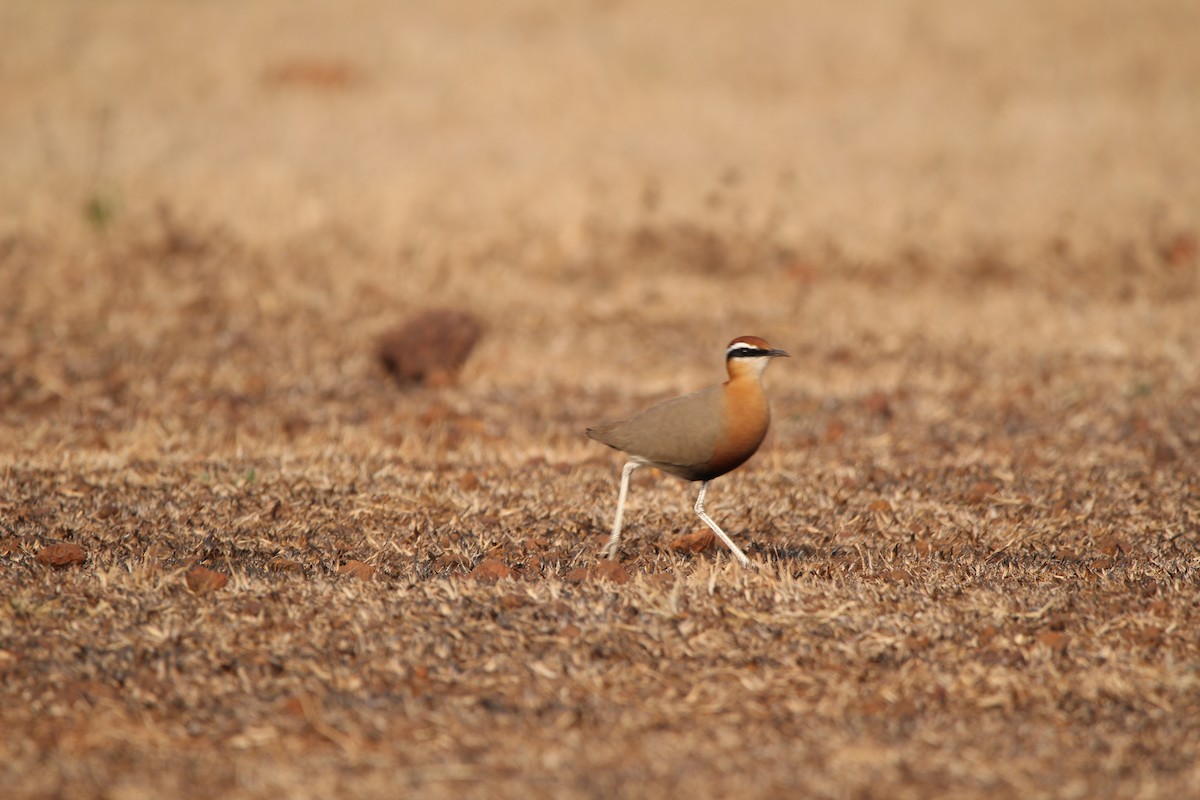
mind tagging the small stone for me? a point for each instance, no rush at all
(491, 570)
(981, 491)
(281, 564)
(696, 542)
(1054, 640)
(357, 569)
(511, 602)
(431, 347)
(61, 554)
(202, 580)
(611, 571)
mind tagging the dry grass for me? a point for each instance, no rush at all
(976, 517)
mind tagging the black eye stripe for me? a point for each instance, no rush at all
(746, 352)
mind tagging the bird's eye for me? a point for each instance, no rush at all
(745, 352)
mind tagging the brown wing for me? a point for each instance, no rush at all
(674, 435)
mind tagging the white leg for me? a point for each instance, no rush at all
(610, 549)
(733, 548)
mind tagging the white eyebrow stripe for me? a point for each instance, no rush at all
(742, 346)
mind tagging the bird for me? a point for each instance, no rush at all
(699, 436)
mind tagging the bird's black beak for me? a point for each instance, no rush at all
(778, 353)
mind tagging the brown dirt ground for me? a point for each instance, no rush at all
(977, 517)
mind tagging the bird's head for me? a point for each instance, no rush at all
(750, 355)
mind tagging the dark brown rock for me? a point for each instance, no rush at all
(431, 347)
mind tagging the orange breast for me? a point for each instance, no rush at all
(747, 417)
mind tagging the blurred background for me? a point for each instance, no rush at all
(873, 125)
(240, 197)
